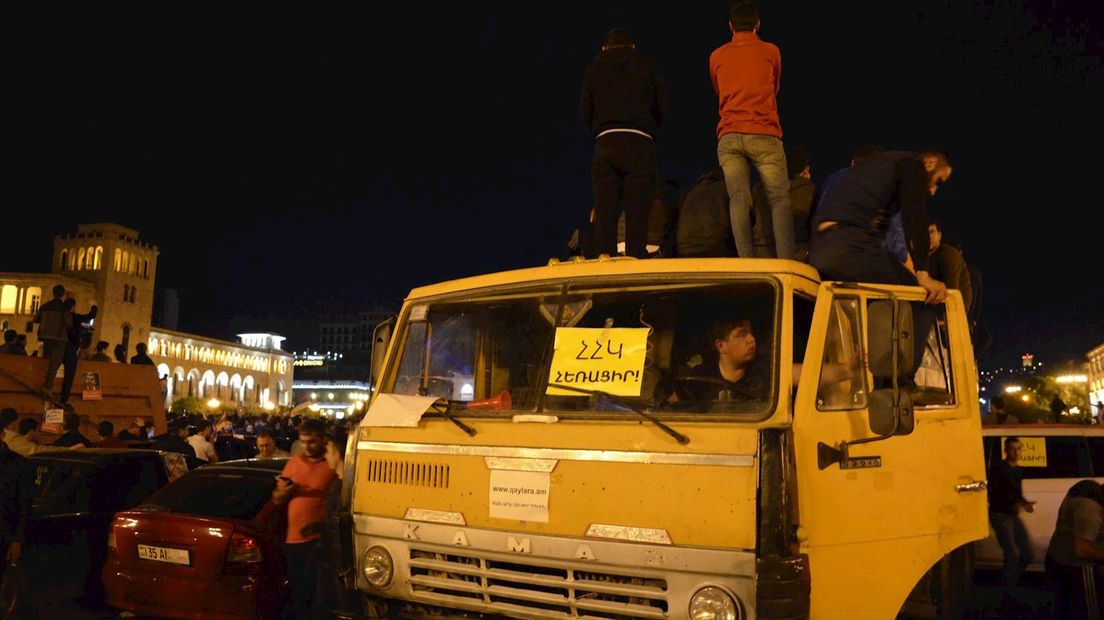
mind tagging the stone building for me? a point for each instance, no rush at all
(106, 265)
(1095, 364)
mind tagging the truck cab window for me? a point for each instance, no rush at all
(934, 376)
(838, 389)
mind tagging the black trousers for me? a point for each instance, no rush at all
(1077, 590)
(70, 372)
(623, 170)
(302, 565)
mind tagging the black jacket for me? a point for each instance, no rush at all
(703, 228)
(16, 483)
(875, 189)
(622, 90)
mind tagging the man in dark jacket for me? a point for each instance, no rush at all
(623, 104)
(71, 436)
(946, 264)
(140, 356)
(54, 321)
(77, 331)
(850, 224)
(176, 441)
(849, 227)
(1006, 501)
(703, 229)
(15, 505)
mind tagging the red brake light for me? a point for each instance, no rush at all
(112, 546)
(244, 554)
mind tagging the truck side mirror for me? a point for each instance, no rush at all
(883, 412)
(880, 336)
(381, 336)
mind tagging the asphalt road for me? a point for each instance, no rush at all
(1032, 599)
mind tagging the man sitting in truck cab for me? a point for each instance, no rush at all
(737, 373)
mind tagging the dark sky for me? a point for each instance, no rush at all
(296, 164)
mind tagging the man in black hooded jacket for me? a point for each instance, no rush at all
(623, 104)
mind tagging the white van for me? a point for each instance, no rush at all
(1055, 456)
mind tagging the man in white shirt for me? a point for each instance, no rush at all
(200, 442)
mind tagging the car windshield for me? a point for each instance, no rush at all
(221, 495)
(60, 487)
(586, 349)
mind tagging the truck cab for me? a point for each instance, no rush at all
(555, 442)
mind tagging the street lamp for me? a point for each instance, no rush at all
(213, 404)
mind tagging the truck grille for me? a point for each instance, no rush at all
(546, 590)
(386, 471)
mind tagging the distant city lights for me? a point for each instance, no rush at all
(1073, 379)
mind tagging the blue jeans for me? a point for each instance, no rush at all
(737, 153)
(1014, 544)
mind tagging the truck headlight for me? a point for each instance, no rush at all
(713, 603)
(378, 567)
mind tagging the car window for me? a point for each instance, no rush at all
(230, 495)
(124, 484)
(1096, 455)
(60, 487)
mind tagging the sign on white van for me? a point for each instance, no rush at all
(1034, 452)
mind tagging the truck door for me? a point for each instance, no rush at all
(875, 522)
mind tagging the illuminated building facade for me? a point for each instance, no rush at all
(251, 373)
(1096, 380)
(106, 265)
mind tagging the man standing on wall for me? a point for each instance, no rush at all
(54, 322)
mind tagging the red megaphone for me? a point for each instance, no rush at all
(494, 403)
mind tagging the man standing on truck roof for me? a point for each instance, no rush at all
(746, 73)
(1006, 500)
(623, 104)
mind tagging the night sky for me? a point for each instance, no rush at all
(295, 165)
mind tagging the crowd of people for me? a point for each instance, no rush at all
(309, 485)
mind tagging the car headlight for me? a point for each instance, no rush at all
(713, 603)
(378, 567)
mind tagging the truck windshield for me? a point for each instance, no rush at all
(671, 347)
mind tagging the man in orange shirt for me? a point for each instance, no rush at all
(303, 486)
(746, 74)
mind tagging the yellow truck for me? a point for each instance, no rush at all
(565, 442)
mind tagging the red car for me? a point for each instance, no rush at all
(205, 546)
